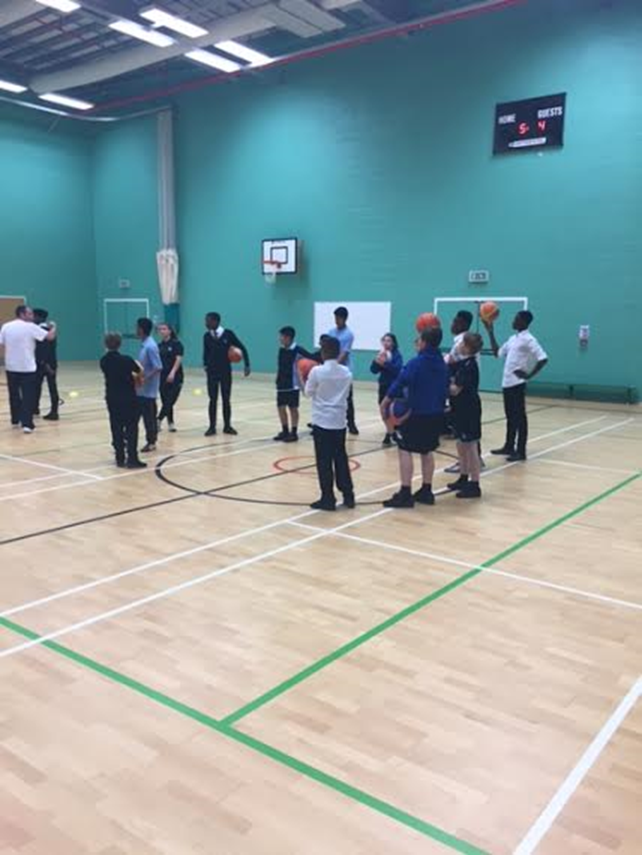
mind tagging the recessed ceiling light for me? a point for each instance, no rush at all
(211, 59)
(171, 22)
(152, 37)
(64, 101)
(243, 52)
(60, 5)
(16, 88)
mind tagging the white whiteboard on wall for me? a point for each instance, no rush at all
(368, 322)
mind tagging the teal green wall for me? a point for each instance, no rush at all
(379, 158)
(125, 214)
(46, 233)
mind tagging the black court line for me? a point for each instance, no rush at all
(215, 493)
(189, 494)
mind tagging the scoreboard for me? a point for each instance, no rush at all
(531, 124)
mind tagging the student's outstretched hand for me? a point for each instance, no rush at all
(247, 371)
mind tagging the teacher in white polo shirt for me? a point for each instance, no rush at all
(19, 338)
(524, 357)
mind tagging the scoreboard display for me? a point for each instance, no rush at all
(531, 124)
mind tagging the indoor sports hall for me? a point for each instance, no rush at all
(320, 433)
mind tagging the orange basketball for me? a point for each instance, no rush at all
(489, 312)
(234, 354)
(305, 366)
(427, 320)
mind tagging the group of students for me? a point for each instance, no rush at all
(29, 343)
(132, 388)
(430, 385)
(432, 388)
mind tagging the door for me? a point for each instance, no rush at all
(121, 316)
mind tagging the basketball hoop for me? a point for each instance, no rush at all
(271, 269)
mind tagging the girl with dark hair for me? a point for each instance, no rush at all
(171, 354)
(387, 365)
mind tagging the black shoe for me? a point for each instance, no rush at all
(424, 496)
(230, 430)
(292, 437)
(147, 448)
(503, 451)
(121, 464)
(323, 505)
(459, 483)
(470, 491)
(136, 464)
(400, 500)
(281, 437)
(349, 501)
(210, 432)
(353, 430)
(515, 457)
(387, 440)
(171, 427)
(51, 417)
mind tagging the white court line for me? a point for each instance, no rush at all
(561, 798)
(568, 463)
(259, 443)
(565, 589)
(204, 547)
(168, 592)
(190, 583)
(47, 466)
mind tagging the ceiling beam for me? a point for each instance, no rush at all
(12, 11)
(242, 24)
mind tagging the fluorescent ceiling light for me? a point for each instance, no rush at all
(213, 60)
(171, 22)
(60, 5)
(242, 52)
(12, 87)
(131, 28)
(64, 101)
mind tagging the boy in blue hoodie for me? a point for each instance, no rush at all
(424, 382)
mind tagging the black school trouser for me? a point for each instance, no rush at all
(52, 384)
(124, 432)
(148, 413)
(169, 393)
(351, 422)
(224, 381)
(332, 462)
(22, 397)
(516, 419)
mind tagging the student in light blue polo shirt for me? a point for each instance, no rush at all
(344, 334)
(149, 358)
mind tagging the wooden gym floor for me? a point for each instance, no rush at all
(193, 662)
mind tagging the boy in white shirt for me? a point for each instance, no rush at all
(19, 338)
(524, 358)
(329, 386)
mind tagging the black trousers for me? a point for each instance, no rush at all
(332, 462)
(124, 433)
(351, 421)
(224, 381)
(22, 397)
(52, 383)
(150, 420)
(516, 419)
(169, 393)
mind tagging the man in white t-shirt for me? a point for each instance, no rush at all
(524, 357)
(19, 338)
(329, 386)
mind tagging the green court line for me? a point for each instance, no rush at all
(224, 727)
(342, 651)
(336, 784)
